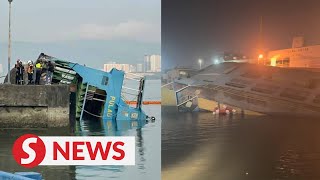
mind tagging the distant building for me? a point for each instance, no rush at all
(147, 66)
(178, 72)
(234, 57)
(155, 63)
(139, 68)
(297, 56)
(133, 68)
(152, 63)
(108, 67)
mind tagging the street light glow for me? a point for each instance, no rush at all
(260, 56)
(200, 62)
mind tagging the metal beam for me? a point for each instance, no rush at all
(182, 89)
(84, 102)
(187, 101)
(9, 45)
(130, 89)
(167, 84)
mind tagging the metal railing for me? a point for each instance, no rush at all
(133, 93)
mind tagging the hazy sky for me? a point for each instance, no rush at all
(52, 25)
(198, 28)
(60, 20)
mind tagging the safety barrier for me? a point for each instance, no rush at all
(144, 102)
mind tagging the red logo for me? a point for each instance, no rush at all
(29, 150)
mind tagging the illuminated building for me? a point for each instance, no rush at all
(297, 56)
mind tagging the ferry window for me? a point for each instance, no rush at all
(105, 80)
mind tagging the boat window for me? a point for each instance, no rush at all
(105, 80)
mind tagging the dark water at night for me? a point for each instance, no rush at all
(148, 148)
(203, 146)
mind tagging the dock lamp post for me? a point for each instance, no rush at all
(9, 43)
(200, 62)
(260, 58)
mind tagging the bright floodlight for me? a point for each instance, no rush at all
(200, 62)
(260, 56)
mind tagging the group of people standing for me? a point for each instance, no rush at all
(37, 69)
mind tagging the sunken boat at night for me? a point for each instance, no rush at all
(253, 87)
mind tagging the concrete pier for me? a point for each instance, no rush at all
(30, 106)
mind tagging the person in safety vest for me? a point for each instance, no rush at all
(38, 72)
(30, 72)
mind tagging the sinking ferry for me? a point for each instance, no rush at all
(254, 87)
(101, 95)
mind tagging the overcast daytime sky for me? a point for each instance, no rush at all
(87, 31)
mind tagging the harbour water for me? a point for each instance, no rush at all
(205, 147)
(148, 147)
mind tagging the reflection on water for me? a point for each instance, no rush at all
(204, 146)
(148, 147)
(147, 151)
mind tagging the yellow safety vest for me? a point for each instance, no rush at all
(38, 66)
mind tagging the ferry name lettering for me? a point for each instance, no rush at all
(111, 104)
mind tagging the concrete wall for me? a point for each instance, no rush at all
(34, 106)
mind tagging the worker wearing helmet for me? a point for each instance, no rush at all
(19, 72)
(30, 72)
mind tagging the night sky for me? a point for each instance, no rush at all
(193, 29)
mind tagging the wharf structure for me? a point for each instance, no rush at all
(299, 56)
(94, 93)
(34, 106)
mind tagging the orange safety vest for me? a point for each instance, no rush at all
(30, 69)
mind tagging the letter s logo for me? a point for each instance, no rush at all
(29, 150)
(26, 148)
